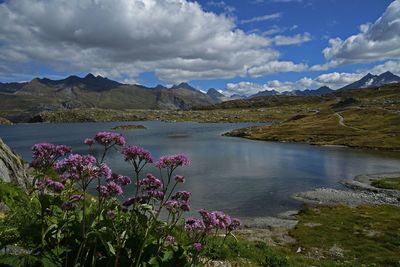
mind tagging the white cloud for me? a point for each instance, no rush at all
(338, 79)
(333, 80)
(273, 30)
(374, 42)
(249, 88)
(175, 38)
(224, 6)
(276, 67)
(262, 18)
(391, 65)
(292, 40)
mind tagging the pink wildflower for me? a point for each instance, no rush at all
(179, 178)
(89, 141)
(197, 247)
(136, 153)
(109, 138)
(45, 154)
(173, 161)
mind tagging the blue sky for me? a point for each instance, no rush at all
(237, 46)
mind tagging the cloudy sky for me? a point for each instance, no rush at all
(240, 46)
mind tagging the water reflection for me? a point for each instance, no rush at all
(243, 177)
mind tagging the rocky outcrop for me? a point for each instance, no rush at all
(4, 121)
(12, 168)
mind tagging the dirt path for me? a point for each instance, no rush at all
(341, 122)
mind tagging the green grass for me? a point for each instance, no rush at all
(368, 235)
(364, 128)
(128, 127)
(387, 183)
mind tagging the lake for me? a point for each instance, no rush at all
(242, 177)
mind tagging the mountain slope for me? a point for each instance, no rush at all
(89, 82)
(318, 92)
(371, 80)
(265, 93)
(216, 96)
(19, 101)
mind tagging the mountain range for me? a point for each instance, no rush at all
(42, 94)
(371, 80)
(367, 81)
(29, 98)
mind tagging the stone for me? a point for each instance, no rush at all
(12, 167)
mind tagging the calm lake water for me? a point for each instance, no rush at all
(242, 177)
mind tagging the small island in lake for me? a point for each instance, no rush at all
(128, 127)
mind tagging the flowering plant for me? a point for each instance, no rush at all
(116, 226)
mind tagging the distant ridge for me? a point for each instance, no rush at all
(367, 81)
(21, 101)
(215, 95)
(90, 82)
(265, 93)
(320, 91)
(371, 80)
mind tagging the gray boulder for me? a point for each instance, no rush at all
(12, 167)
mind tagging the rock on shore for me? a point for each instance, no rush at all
(12, 167)
(329, 196)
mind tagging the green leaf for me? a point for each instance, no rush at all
(168, 255)
(18, 260)
(110, 248)
(154, 262)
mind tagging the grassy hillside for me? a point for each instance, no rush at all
(367, 118)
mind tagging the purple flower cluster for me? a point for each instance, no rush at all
(45, 154)
(114, 184)
(172, 206)
(89, 141)
(194, 225)
(71, 204)
(173, 161)
(109, 138)
(197, 247)
(133, 200)
(179, 178)
(136, 153)
(180, 201)
(212, 220)
(48, 183)
(77, 167)
(170, 240)
(182, 195)
(150, 183)
(215, 219)
(110, 189)
(159, 195)
(119, 179)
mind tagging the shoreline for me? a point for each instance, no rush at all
(369, 148)
(275, 229)
(240, 132)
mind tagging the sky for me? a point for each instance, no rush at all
(237, 46)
